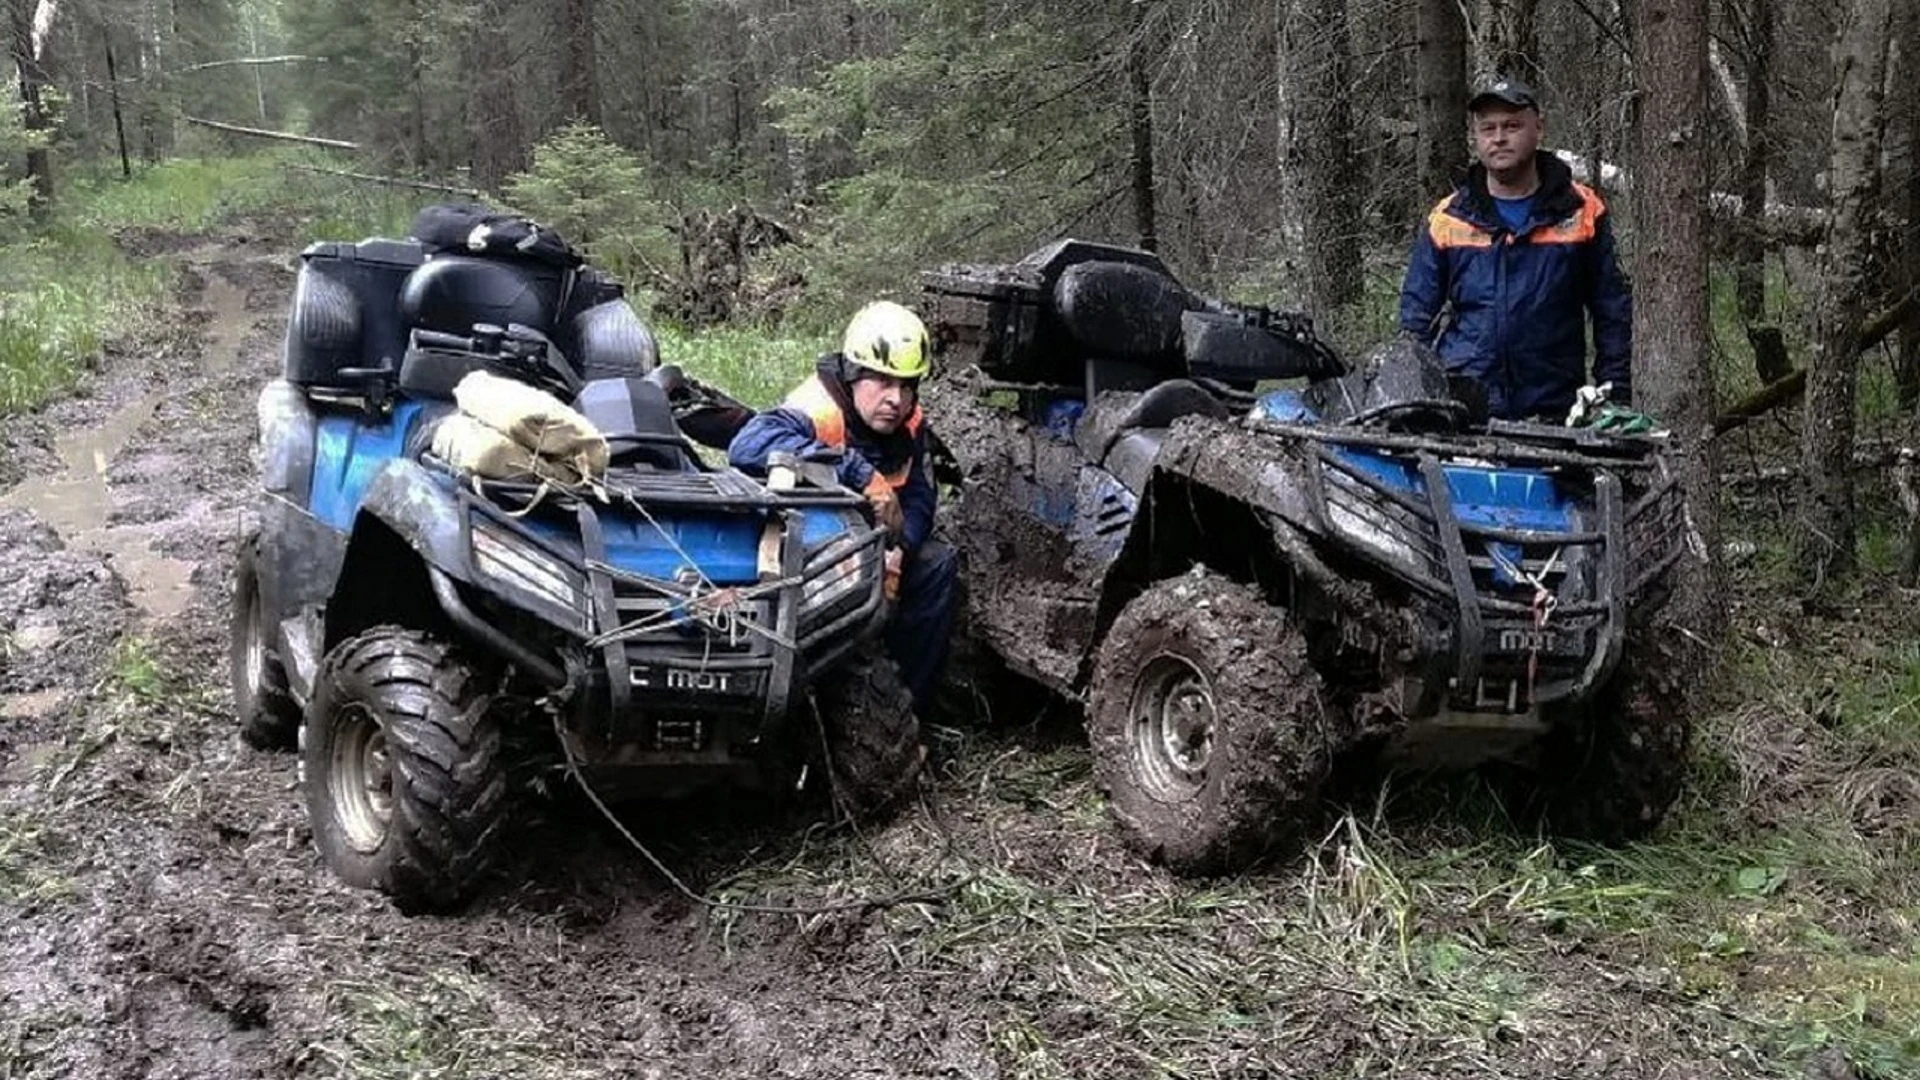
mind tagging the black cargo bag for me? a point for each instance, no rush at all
(477, 230)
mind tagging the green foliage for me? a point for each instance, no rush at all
(61, 296)
(599, 196)
(991, 124)
(15, 191)
(753, 365)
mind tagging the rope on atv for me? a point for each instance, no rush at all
(938, 896)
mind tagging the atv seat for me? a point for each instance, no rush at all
(637, 420)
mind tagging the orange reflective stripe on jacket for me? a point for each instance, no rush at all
(1448, 231)
(812, 400)
(1582, 225)
(1576, 228)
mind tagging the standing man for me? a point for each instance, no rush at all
(1507, 270)
(863, 401)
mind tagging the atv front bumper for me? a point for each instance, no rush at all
(1514, 617)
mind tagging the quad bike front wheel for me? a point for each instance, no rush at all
(269, 718)
(404, 781)
(871, 735)
(1211, 731)
(1610, 773)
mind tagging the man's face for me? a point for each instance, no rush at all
(883, 401)
(1506, 136)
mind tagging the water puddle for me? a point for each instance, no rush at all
(37, 705)
(77, 501)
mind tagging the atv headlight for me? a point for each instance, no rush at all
(1370, 535)
(835, 574)
(526, 570)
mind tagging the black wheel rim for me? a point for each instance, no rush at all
(1172, 726)
(360, 778)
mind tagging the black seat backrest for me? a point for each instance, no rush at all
(452, 293)
(637, 420)
(1111, 416)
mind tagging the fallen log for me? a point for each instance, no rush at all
(394, 181)
(1775, 394)
(262, 133)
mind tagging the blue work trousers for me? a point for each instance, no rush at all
(918, 637)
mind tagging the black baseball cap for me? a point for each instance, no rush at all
(1501, 88)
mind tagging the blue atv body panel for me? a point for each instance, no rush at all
(349, 450)
(352, 449)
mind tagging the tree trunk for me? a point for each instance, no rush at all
(1909, 113)
(1140, 126)
(1440, 85)
(119, 126)
(1672, 336)
(1750, 247)
(1826, 535)
(498, 149)
(1318, 160)
(33, 117)
(580, 75)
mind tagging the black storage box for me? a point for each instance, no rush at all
(346, 308)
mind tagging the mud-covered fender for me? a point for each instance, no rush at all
(1250, 469)
(287, 432)
(423, 510)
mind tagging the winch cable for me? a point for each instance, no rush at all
(936, 896)
(939, 895)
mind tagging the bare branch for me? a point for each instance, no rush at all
(261, 133)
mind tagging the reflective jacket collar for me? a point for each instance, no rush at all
(1556, 198)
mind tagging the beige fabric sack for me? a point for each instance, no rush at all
(534, 419)
(471, 446)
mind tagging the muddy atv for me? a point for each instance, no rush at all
(671, 627)
(1252, 563)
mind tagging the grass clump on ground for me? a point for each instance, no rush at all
(63, 296)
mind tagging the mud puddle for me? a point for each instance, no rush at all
(76, 500)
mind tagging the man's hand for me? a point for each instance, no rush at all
(886, 505)
(896, 559)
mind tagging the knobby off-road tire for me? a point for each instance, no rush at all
(872, 736)
(269, 717)
(1212, 733)
(405, 784)
(1611, 775)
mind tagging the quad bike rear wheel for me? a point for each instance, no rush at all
(401, 763)
(871, 735)
(1211, 731)
(269, 717)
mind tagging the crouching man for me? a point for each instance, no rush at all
(863, 401)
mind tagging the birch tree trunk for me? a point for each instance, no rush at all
(1826, 541)
(1907, 110)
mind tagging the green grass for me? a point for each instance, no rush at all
(754, 365)
(438, 1024)
(63, 295)
(1775, 915)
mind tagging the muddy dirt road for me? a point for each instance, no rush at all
(163, 914)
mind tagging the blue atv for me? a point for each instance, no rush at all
(1255, 564)
(429, 637)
